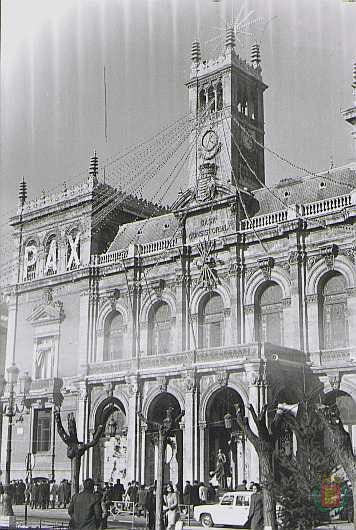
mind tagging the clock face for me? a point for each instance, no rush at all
(209, 140)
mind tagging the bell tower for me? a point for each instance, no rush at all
(226, 98)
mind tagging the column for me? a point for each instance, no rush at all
(252, 372)
(203, 452)
(351, 308)
(132, 383)
(142, 462)
(11, 331)
(82, 427)
(84, 330)
(241, 459)
(313, 323)
(189, 421)
(249, 328)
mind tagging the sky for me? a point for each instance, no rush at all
(53, 54)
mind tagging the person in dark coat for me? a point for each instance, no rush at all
(119, 490)
(194, 494)
(67, 492)
(150, 506)
(255, 516)
(84, 508)
(187, 493)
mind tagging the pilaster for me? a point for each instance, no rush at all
(189, 427)
(133, 393)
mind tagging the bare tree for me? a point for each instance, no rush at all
(75, 449)
(264, 443)
(341, 444)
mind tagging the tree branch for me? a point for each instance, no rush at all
(61, 431)
(96, 437)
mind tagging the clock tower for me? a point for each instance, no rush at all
(226, 98)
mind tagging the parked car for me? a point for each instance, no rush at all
(232, 510)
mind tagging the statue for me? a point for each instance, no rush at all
(75, 449)
(220, 474)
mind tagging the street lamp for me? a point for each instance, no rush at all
(10, 411)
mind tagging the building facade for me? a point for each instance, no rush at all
(228, 298)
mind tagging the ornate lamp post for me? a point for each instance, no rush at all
(10, 411)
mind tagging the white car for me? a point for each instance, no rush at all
(232, 510)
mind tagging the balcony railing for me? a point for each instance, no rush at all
(336, 356)
(326, 205)
(203, 356)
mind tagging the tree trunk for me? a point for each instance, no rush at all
(268, 499)
(159, 479)
(75, 472)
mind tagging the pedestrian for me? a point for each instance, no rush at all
(141, 500)
(170, 508)
(67, 492)
(22, 489)
(84, 508)
(119, 490)
(53, 494)
(187, 493)
(151, 508)
(1, 492)
(105, 506)
(194, 494)
(211, 494)
(255, 516)
(203, 493)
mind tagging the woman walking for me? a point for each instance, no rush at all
(171, 502)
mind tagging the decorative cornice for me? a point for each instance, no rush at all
(329, 254)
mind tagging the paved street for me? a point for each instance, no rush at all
(125, 521)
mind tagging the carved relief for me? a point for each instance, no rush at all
(329, 254)
(312, 298)
(189, 381)
(162, 383)
(334, 380)
(221, 377)
(266, 265)
(132, 385)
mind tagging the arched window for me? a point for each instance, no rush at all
(211, 98)
(202, 99)
(73, 249)
(219, 96)
(30, 260)
(51, 256)
(269, 314)
(332, 303)
(211, 322)
(114, 337)
(159, 329)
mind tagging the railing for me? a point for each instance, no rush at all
(110, 257)
(157, 246)
(339, 355)
(326, 205)
(263, 221)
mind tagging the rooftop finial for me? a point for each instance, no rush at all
(196, 54)
(94, 167)
(22, 192)
(255, 55)
(230, 38)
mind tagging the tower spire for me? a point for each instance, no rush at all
(230, 39)
(196, 53)
(94, 168)
(22, 192)
(255, 55)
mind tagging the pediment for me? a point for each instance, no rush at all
(46, 313)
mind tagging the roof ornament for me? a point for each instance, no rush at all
(230, 38)
(255, 55)
(196, 53)
(94, 169)
(22, 192)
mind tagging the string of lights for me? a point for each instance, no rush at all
(240, 194)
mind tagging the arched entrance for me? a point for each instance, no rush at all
(224, 434)
(173, 465)
(110, 455)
